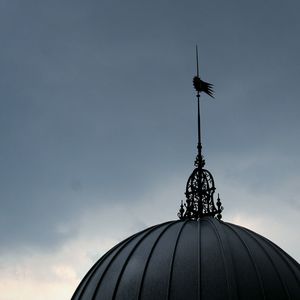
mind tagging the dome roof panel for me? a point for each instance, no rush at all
(131, 276)
(266, 266)
(243, 265)
(188, 259)
(185, 263)
(216, 262)
(156, 279)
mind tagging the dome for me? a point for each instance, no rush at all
(193, 259)
(197, 257)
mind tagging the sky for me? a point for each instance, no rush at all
(98, 126)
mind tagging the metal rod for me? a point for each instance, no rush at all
(197, 60)
(199, 146)
(198, 98)
(199, 126)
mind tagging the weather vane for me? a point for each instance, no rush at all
(200, 186)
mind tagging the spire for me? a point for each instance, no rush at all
(200, 187)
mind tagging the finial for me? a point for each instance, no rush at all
(200, 186)
(200, 85)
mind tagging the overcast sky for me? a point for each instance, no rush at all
(98, 126)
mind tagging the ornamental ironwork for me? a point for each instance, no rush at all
(200, 187)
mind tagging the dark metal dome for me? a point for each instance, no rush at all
(188, 259)
(196, 257)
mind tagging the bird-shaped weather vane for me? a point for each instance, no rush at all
(200, 186)
(200, 85)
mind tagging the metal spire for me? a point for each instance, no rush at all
(200, 186)
(198, 162)
(199, 146)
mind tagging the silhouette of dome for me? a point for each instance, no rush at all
(197, 257)
(187, 259)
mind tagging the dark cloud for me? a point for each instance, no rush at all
(97, 103)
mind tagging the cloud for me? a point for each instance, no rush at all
(97, 124)
(35, 272)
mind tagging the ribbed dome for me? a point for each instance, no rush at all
(205, 259)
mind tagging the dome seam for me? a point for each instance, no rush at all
(258, 274)
(150, 256)
(115, 255)
(173, 259)
(87, 278)
(280, 253)
(130, 254)
(199, 260)
(222, 254)
(224, 242)
(271, 260)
